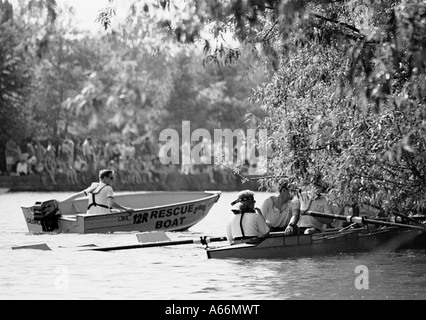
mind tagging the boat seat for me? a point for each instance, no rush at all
(69, 217)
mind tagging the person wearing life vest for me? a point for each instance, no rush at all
(101, 197)
(246, 222)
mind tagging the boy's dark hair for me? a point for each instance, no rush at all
(105, 173)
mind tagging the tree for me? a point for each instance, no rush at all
(146, 84)
(355, 111)
(347, 87)
(130, 82)
(16, 73)
(15, 79)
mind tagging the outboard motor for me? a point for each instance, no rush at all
(46, 213)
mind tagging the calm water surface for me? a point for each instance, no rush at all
(183, 272)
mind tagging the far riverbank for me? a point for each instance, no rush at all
(168, 182)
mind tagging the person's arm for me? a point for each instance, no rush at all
(75, 196)
(260, 225)
(229, 235)
(83, 193)
(265, 209)
(114, 204)
(295, 211)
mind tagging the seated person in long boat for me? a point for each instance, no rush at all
(246, 221)
(282, 211)
(316, 202)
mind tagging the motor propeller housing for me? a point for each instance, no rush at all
(47, 213)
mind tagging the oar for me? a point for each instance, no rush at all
(420, 224)
(201, 240)
(39, 246)
(80, 246)
(361, 220)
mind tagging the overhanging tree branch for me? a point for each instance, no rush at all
(352, 28)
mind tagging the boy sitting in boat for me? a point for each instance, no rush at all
(246, 222)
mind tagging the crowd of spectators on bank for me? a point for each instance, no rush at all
(78, 161)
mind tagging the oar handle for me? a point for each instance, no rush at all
(420, 224)
(206, 240)
(361, 220)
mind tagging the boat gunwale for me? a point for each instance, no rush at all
(137, 210)
(209, 195)
(360, 234)
(202, 198)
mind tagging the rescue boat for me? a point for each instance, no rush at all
(153, 211)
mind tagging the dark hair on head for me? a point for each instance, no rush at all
(283, 184)
(105, 173)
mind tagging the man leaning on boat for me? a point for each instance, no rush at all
(101, 195)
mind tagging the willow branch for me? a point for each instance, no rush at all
(348, 26)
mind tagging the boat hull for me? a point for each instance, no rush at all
(279, 246)
(155, 211)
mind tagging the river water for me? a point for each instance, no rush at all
(183, 272)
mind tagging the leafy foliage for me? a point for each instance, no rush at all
(346, 92)
(351, 111)
(131, 82)
(15, 77)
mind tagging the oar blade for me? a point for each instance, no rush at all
(79, 246)
(38, 246)
(148, 237)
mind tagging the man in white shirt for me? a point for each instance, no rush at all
(282, 211)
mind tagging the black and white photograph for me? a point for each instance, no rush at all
(213, 158)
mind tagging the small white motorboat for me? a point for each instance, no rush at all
(153, 211)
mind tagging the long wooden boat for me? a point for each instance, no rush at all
(278, 246)
(154, 211)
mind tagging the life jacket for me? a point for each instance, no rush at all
(237, 211)
(96, 189)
